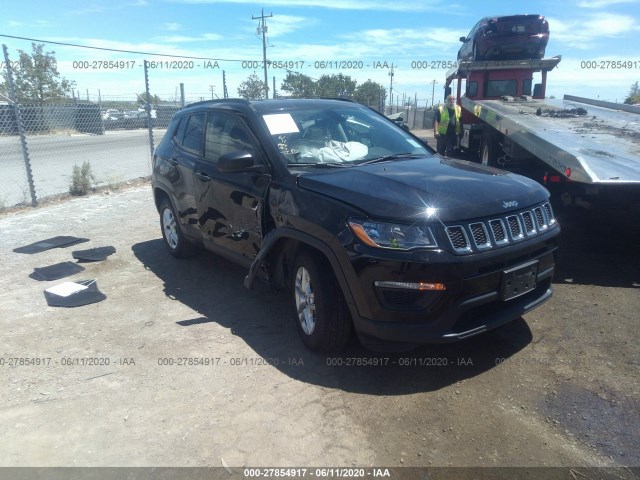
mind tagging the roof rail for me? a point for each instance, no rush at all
(216, 101)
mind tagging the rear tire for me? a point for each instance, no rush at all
(174, 240)
(321, 313)
(488, 152)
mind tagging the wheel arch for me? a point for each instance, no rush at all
(281, 246)
(160, 194)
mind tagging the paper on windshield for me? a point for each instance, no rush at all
(280, 123)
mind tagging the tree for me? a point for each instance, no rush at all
(634, 95)
(335, 86)
(154, 99)
(370, 93)
(252, 88)
(298, 85)
(37, 79)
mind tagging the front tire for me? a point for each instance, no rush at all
(321, 313)
(174, 240)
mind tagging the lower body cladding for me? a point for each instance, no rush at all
(446, 298)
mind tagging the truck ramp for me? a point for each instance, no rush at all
(601, 146)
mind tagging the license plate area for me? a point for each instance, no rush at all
(518, 280)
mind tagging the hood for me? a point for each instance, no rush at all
(403, 189)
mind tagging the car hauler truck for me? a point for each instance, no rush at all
(586, 152)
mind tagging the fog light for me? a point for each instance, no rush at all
(411, 285)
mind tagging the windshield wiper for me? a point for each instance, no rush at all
(386, 158)
(319, 165)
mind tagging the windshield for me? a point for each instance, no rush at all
(337, 135)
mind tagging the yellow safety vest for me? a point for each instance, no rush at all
(443, 125)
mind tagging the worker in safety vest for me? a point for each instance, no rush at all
(447, 127)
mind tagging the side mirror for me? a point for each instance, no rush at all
(463, 39)
(238, 161)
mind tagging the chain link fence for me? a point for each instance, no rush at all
(42, 143)
(58, 137)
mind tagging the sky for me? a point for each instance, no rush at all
(358, 38)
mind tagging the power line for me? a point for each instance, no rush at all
(122, 51)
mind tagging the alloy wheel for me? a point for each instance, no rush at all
(305, 301)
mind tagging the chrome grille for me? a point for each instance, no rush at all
(497, 232)
(458, 238)
(528, 223)
(540, 220)
(480, 235)
(550, 218)
(515, 227)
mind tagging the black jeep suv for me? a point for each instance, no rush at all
(367, 228)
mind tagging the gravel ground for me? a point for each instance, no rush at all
(558, 387)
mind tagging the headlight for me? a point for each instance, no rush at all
(392, 235)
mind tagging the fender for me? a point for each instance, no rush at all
(346, 285)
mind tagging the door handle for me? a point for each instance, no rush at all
(203, 176)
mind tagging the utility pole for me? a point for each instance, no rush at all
(391, 89)
(224, 85)
(433, 90)
(263, 29)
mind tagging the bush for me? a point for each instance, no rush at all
(81, 179)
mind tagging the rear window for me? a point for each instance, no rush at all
(522, 24)
(498, 88)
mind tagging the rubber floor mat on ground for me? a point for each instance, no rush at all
(54, 242)
(54, 272)
(74, 294)
(93, 254)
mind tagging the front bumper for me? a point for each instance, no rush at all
(471, 304)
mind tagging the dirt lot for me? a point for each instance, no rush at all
(557, 388)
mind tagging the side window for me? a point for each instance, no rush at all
(225, 133)
(178, 131)
(472, 89)
(193, 132)
(474, 30)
